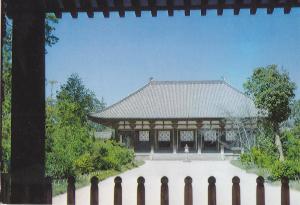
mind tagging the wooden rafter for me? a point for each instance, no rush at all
(137, 7)
(170, 8)
(237, 6)
(70, 5)
(220, 7)
(153, 8)
(254, 5)
(87, 5)
(271, 6)
(203, 7)
(119, 4)
(187, 7)
(103, 6)
(55, 5)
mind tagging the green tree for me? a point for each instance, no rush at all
(272, 92)
(73, 91)
(296, 112)
(51, 39)
(69, 134)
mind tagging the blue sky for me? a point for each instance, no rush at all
(117, 56)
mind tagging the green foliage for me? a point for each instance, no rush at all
(272, 91)
(84, 101)
(50, 40)
(296, 112)
(287, 168)
(265, 157)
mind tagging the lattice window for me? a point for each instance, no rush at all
(230, 135)
(187, 136)
(144, 136)
(210, 135)
(164, 136)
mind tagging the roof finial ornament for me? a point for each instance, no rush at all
(151, 79)
(223, 78)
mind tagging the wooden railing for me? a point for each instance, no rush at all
(164, 191)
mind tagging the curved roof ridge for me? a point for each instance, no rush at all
(234, 88)
(187, 82)
(123, 99)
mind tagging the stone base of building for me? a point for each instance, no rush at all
(185, 157)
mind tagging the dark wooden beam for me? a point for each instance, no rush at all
(119, 4)
(103, 6)
(137, 7)
(237, 7)
(187, 7)
(270, 8)
(153, 7)
(254, 5)
(56, 8)
(170, 8)
(289, 5)
(28, 105)
(220, 7)
(87, 5)
(70, 5)
(203, 7)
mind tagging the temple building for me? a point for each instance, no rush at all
(168, 116)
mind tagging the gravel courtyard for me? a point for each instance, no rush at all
(176, 171)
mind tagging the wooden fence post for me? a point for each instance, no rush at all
(94, 195)
(260, 191)
(188, 191)
(118, 191)
(164, 191)
(236, 192)
(212, 200)
(285, 191)
(71, 191)
(141, 191)
(48, 190)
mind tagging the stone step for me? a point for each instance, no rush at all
(194, 156)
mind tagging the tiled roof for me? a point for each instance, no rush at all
(181, 99)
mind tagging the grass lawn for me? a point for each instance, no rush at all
(264, 173)
(60, 186)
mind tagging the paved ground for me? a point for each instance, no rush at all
(176, 171)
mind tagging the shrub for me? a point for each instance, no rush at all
(110, 155)
(246, 159)
(260, 158)
(84, 164)
(286, 168)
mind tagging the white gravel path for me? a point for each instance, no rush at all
(176, 171)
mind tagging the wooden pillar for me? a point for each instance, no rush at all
(94, 192)
(141, 191)
(28, 102)
(236, 192)
(118, 191)
(152, 136)
(188, 191)
(164, 191)
(285, 191)
(199, 141)
(260, 191)
(71, 191)
(175, 136)
(133, 136)
(212, 196)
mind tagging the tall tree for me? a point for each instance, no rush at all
(272, 92)
(84, 100)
